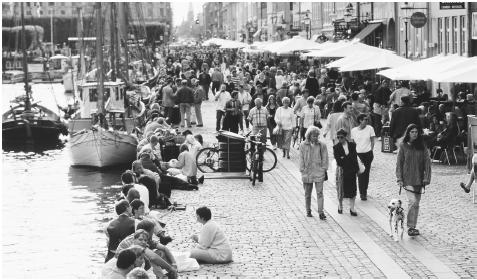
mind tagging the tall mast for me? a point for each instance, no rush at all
(116, 39)
(112, 31)
(123, 26)
(81, 41)
(25, 65)
(99, 57)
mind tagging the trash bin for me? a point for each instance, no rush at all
(231, 152)
(387, 142)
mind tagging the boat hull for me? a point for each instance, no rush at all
(100, 148)
(38, 131)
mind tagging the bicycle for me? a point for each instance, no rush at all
(207, 159)
(262, 159)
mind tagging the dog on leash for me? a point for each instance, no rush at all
(396, 218)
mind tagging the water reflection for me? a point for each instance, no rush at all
(54, 212)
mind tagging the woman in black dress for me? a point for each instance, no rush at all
(346, 170)
(271, 124)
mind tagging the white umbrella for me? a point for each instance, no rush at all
(465, 72)
(294, 44)
(345, 49)
(374, 60)
(422, 70)
(228, 44)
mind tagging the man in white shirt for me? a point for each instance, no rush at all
(222, 97)
(363, 135)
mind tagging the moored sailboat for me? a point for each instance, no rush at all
(27, 121)
(101, 134)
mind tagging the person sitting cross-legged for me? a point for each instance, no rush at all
(213, 246)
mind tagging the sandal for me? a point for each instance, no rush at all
(412, 232)
(467, 190)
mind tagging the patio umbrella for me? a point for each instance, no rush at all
(229, 44)
(294, 44)
(422, 70)
(374, 60)
(346, 49)
(465, 72)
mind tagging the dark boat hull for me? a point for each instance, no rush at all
(37, 131)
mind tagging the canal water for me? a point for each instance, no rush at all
(53, 215)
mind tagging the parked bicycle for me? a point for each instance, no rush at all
(208, 158)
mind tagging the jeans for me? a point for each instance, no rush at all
(219, 117)
(215, 87)
(198, 113)
(185, 113)
(206, 90)
(244, 117)
(319, 195)
(413, 204)
(363, 179)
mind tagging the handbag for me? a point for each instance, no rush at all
(277, 130)
(361, 166)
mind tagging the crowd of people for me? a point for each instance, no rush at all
(276, 100)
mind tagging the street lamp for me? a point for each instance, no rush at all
(307, 22)
(405, 8)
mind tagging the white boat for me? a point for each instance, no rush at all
(99, 147)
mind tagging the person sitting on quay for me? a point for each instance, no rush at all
(157, 255)
(127, 260)
(127, 179)
(154, 147)
(185, 167)
(140, 215)
(144, 141)
(213, 246)
(119, 228)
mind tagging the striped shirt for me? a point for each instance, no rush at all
(258, 117)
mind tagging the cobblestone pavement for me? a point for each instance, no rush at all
(272, 237)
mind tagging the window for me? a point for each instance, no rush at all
(41, 12)
(463, 38)
(51, 4)
(455, 35)
(161, 12)
(28, 12)
(447, 35)
(291, 6)
(150, 13)
(93, 95)
(63, 12)
(439, 37)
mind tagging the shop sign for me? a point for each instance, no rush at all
(451, 5)
(418, 19)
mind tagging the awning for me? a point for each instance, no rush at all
(367, 30)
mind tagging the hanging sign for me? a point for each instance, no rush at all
(418, 19)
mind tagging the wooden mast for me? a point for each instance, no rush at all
(24, 62)
(99, 59)
(82, 74)
(112, 33)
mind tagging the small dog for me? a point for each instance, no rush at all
(396, 216)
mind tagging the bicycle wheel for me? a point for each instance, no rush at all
(208, 160)
(269, 160)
